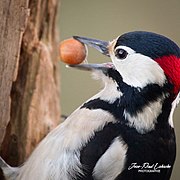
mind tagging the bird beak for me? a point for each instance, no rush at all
(101, 46)
(91, 67)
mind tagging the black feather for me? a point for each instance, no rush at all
(150, 44)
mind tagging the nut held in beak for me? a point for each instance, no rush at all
(72, 51)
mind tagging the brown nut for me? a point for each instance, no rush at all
(72, 51)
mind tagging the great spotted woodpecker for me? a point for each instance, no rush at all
(125, 132)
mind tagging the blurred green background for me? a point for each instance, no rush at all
(107, 19)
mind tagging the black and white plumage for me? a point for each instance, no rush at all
(129, 121)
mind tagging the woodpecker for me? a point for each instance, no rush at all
(125, 132)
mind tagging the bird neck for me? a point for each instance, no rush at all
(139, 108)
(146, 107)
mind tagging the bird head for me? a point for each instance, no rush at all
(138, 59)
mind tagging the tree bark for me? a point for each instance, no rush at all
(29, 83)
(11, 30)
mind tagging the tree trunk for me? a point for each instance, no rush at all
(29, 84)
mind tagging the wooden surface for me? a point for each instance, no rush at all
(31, 61)
(12, 25)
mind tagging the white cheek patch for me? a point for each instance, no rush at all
(57, 156)
(138, 70)
(112, 162)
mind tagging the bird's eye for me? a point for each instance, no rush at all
(121, 53)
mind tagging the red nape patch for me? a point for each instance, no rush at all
(171, 66)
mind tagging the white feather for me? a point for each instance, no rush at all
(174, 105)
(145, 121)
(57, 156)
(109, 92)
(9, 172)
(111, 164)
